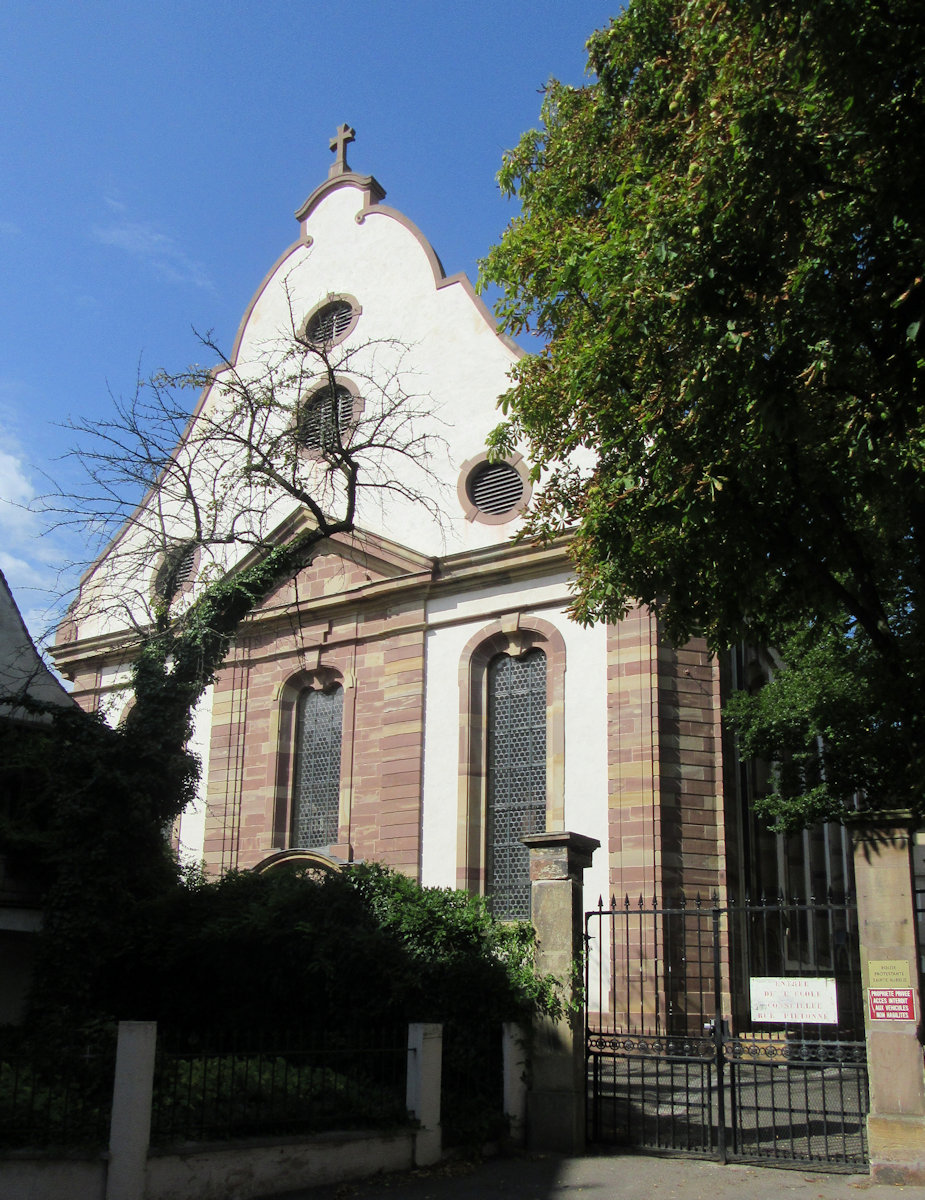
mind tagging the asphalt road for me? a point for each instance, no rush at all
(609, 1177)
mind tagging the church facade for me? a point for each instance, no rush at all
(418, 695)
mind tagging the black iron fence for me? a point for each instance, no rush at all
(472, 1085)
(730, 1031)
(215, 1089)
(205, 1088)
(219, 1087)
(53, 1097)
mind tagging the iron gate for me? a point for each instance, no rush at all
(676, 1061)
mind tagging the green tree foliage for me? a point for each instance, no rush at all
(722, 241)
(281, 949)
(79, 830)
(833, 725)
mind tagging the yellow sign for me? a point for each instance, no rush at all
(888, 973)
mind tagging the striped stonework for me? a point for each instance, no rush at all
(633, 756)
(665, 764)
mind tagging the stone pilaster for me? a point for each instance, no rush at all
(889, 973)
(556, 1103)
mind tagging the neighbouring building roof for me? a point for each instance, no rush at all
(22, 671)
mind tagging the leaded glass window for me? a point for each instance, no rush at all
(316, 791)
(516, 776)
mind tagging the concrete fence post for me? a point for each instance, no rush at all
(892, 1003)
(514, 1058)
(130, 1125)
(556, 1100)
(425, 1070)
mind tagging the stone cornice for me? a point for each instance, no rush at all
(373, 192)
(418, 579)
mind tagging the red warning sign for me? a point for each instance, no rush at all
(891, 1004)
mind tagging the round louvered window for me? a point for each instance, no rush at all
(495, 488)
(331, 323)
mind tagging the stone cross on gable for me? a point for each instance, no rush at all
(345, 135)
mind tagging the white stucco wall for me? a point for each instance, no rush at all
(193, 819)
(435, 337)
(115, 691)
(416, 334)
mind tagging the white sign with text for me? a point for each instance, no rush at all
(794, 1001)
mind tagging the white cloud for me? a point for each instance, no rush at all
(14, 486)
(25, 573)
(158, 250)
(30, 557)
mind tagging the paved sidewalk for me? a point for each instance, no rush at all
(609, 1177)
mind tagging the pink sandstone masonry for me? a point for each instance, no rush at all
(358, 618)
(665, 793)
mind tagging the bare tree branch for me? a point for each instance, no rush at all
(299, 428)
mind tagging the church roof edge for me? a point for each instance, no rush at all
(373, 189)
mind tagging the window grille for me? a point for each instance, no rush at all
(316, 791)
(325, 414)
(516, 777)
(329, 322)
(496, 488)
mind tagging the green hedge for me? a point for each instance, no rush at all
(285, 949)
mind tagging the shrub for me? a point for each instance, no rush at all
(286, 949)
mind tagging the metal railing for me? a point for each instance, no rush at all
(472, 1085)
(678, 1058)
(205, 1088)
(54, 1098)
(215, 1089)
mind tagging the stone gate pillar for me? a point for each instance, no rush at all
(556, 1102)
(892, 1003)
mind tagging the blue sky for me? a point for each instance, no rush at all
(153, 156)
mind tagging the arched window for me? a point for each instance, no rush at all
(511, 754)
(516, 777)
(316, 778)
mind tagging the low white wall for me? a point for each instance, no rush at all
(247, 1169)
(52, 1179)
(235, 1171)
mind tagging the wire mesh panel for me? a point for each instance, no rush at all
(316, 795)
(516, 776)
